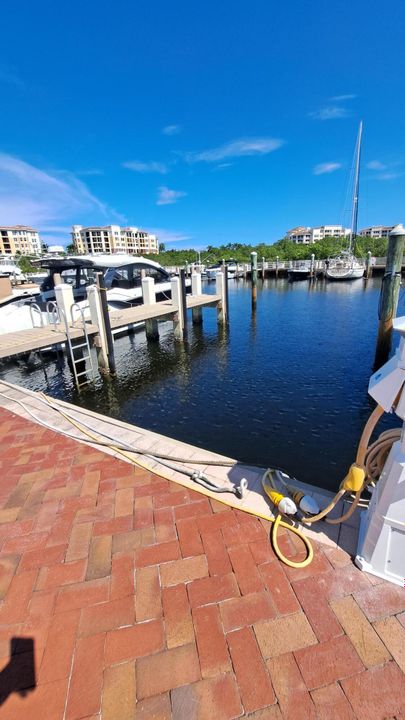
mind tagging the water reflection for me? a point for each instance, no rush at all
(285, 383)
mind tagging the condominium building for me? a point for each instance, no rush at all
(300, 235)
(308, 235)
(113, 239)
(376, 231)
(19, 239)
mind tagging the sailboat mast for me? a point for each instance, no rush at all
(355, 209)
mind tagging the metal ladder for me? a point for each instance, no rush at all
(54, 318)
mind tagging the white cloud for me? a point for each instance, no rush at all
(146, 167)
(388, 176)
(328, 167)
(169, 197)
(90, 171)
(30, 196)
(330, 112)
(171, 130)
(376, 165)
(170, 236)
(341, 98)
(236, 148)
(222, 166)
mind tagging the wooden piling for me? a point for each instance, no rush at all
(149, 298)
(263, 262)
(389, 293)
(183, 300)
(106, 320)
(253, 265)
(276, 267)
(367, 273)
(226, 289)
(196, 290)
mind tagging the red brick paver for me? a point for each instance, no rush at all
(125, 596)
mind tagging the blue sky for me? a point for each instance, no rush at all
(208, 122)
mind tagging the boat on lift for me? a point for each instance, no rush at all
(299, 270)
(346, 266)
(233, 270)
(9, 268)
(122, 277)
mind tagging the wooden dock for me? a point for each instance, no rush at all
(25, 341)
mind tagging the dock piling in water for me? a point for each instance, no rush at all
(253, 265)
(149, 298)
(389, 293)
(100, 340)
(196, 289)
(367, 273)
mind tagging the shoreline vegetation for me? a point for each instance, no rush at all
(283, 249)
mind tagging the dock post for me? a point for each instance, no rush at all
(263, 261)
(149, 298)
(178, 324)
(196, 290)
(389, 293)
(64, 299)
(106, 320)
(222, 309)
(100, 340)
(312, 270)
(276, 267)
(253, 265)
(225, 274)
(367, 273)
(184, 300)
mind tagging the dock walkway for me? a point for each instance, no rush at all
(24, 341)
(124, 595)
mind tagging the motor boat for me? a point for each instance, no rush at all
(122, 277)
(232, 267)
(10, 269)
(299, 270)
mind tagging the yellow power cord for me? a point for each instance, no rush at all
(365, 471)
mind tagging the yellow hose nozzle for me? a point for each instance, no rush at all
(353, 482)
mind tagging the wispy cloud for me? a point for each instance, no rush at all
(167, 196)
(170, 236)
(236, 148)
(330, 112)
(341, 98)
(328, 167)
(171, 130)
(29, 195)
(222, 166)
(146, 167)
(388, 175)
(376, 165)
(90, 171)
(9, 75)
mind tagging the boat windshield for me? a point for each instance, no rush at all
(130, 276)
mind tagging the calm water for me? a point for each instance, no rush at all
(286, 385)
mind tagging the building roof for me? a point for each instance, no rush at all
(18, 227)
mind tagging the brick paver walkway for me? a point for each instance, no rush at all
(126, 596)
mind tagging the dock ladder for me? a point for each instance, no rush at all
(55, 314)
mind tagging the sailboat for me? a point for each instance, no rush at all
(346, 266)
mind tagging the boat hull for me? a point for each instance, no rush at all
(345, 273)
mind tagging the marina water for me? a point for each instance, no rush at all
(284, 385)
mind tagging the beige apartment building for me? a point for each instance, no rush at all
(308, 235)
(19, 239)
(376, 231)
(113, 239)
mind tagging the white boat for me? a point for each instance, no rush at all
(10, 269)
(299, 270)
(232, 267)
(122, 276)
(346, 266)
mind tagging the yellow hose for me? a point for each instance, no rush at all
(277, 523)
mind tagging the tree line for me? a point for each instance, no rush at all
(284, 249)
